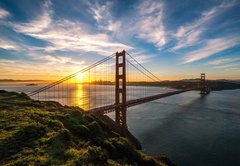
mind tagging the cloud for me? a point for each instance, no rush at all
(39, 24)
(3, 13)
(189, 34)
(223, 61)
(149, 25)
(143, 25)
(60, 35)
(141, 56)
(8, 45)
(66, 35)
(6, 62)
(103, 16)
(237, 68)
(146, 22)
(211, 47)
(53, 59)
(188, 39)
(227, 66)
(37, 69)
(98, 11)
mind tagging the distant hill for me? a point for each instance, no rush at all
(185, 84)
(221, 84)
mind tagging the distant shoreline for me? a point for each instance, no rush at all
(12, 80)
(215, 85)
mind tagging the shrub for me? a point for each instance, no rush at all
(95, 128)
(23, 138)
(96, 155)
(55, 124)
(59, 143)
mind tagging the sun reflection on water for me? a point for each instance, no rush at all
(81, 97)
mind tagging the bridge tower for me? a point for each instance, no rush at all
(120, 89)
(204, 90)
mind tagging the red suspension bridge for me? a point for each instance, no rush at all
(112, 84)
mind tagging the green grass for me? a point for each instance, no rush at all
(46, 133)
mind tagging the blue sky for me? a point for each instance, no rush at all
(45, 39)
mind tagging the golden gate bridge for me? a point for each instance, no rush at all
(112, 84)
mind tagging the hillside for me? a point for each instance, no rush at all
(47, 133)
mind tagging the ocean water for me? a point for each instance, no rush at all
(189, 129)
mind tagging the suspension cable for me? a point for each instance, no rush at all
(143, 67)
(141, 71)
(70, 76)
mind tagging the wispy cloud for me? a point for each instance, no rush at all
(210, 48)
(54, 59)
(99, 11)
(39, 69)
(38, 25)
(149, 26)
(237, 68)
(146, 23)
(60, 35)
(187, 39)
(8, 45)
(142, 57)
(3, 13)
(55, 40)
(223, 61)
(66, 35)
(189, 34)
(5, 62)
(227, 66)
(103, 16)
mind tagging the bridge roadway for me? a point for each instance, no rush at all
(131, 103)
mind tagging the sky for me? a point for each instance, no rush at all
(49, 39)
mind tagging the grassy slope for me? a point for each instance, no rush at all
(46, 133)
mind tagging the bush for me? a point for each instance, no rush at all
(97, 155)
(81, 130)
(23, 138)
(95, 128)
(59, 143)
(55, 124)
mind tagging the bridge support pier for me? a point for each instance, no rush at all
(120, 89)
(203, 86)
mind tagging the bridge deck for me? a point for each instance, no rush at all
(131, 103)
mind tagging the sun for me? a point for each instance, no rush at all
(80, 76)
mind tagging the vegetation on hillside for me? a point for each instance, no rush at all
(47, 133)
